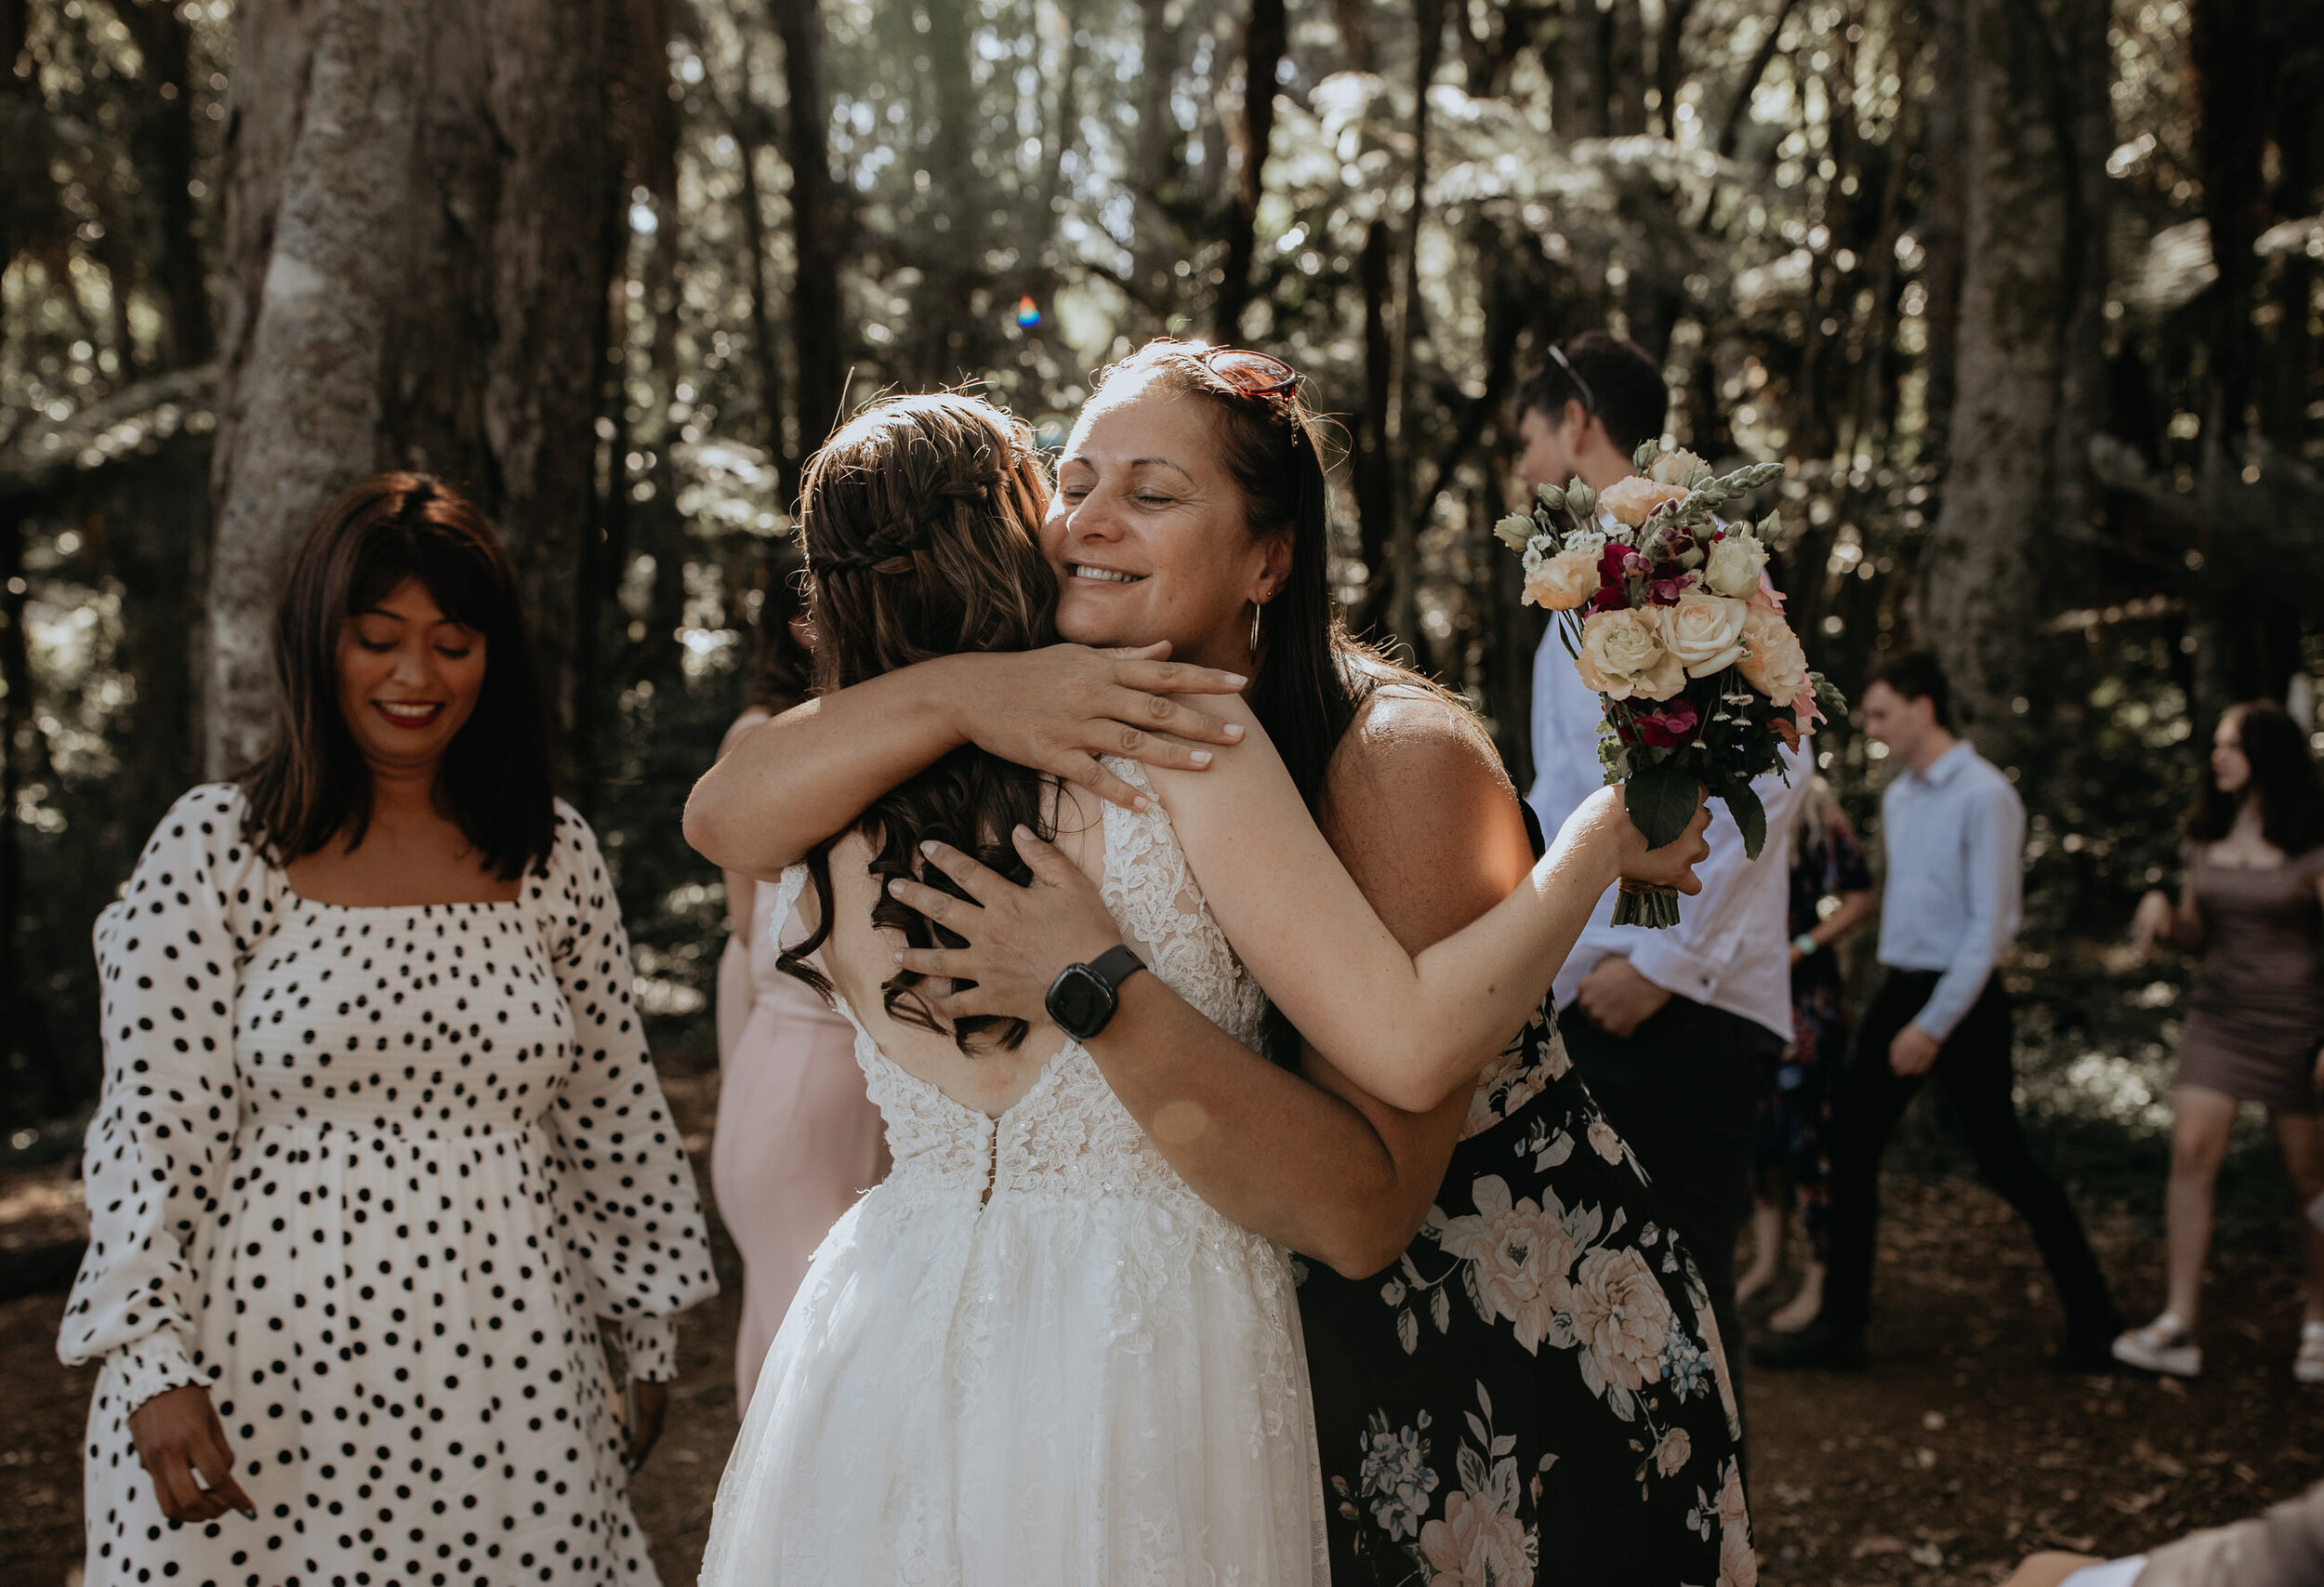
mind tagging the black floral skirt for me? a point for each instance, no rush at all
(1535, 1392)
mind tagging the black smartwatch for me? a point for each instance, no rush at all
(1084, 995)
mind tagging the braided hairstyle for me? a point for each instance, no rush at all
(921, 522)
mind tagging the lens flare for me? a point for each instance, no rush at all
(1028, 313)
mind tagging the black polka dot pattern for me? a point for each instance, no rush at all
(372, 1175)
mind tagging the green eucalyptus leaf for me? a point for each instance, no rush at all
(1660, 800)
(1750, 815)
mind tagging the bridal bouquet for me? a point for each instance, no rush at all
(1670, 617)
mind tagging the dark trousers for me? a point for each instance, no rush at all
(1973, 1076)
(1684, 1090)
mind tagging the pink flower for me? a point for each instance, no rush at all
(1476, 1545)
(1622, 1318)
(1668, 726)
(1521, 1254)
(1768, 598)
(1666, 592)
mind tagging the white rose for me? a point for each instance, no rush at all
(1734, 564)
(1622, 656)
(1635, 500)
(1773, 662)
(1563, 582)
(1675, 467)
(1704, 631)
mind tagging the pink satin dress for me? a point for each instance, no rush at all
(798, 1140)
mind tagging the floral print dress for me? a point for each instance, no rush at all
(1536, 1391)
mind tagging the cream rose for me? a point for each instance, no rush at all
(1773, 662)
(1675, 467)
(1734, 564)
(1622, 656)
(1673, 1452)
(1563, 582)
(1633, 500)
(1704, 631)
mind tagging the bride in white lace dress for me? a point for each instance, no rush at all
(1032, 1355)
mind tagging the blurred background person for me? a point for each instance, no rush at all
(2252, 905)
(1675, 1031)
(380, 1140)
(798, 1139)
(2282, 1548)
(1955, 834)
(1827, 867)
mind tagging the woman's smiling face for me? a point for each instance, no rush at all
(1148, 534)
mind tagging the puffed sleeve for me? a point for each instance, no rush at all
(626, 1205)
(169, 956)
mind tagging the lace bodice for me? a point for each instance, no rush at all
(1069, 1135)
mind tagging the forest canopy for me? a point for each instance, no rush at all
(2024, 295)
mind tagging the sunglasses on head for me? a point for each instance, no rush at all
(1251, 374)
(1589, 398)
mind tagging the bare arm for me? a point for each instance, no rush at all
(792, 782)
(1410, 1029)
(1854, 909)
(1425, 820)
(740, 889)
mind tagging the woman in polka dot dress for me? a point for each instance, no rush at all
(380, 1140)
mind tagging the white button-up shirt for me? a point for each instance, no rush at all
(1731, 948)
(1955, 836)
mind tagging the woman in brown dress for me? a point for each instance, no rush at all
(2253, 905)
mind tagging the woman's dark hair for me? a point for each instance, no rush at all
(782, 669)
(312, 787)
(1618, 380)
(922, 520)
(1312, 676)
(2283, 779)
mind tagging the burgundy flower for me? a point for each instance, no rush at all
(1668, 726)
(1666, 592)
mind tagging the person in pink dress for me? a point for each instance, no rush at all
(798, 1139)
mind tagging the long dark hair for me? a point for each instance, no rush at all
(2283, 779)
(1312, 676)
(311, 787)
(922, 520)
(782, 669)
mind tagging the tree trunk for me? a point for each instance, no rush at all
(1670, 62)
(1579, 107)
(1264, 39)
(1740, 107)
(415, 204)
(1353, 21)
(162, 146)
(1403, 611)
(2085, 65)
(1370, 465)
(1980, 604)
(818, 322)
(1944, 219)
(748, 122)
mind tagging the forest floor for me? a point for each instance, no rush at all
(1957, 1454)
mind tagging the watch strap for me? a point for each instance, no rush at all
(1115, 965)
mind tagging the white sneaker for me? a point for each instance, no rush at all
(2308, 1366)
(2165, 1347)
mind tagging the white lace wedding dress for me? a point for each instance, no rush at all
(1089, 1378)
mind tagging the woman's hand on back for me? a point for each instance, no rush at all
(1019, 937)
(1059, 709)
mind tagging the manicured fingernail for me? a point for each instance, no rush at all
(1022, 833)
(930, 848)
(1235, 731)
(1141, 804)
(1200, 757)
(1237, 679)
(250, 1514)
(895, 885)
(897, 955)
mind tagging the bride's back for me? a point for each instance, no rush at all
(859, 959)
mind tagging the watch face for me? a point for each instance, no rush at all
(1080, 1001)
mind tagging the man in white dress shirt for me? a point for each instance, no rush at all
(1954, 829)
(1676, 1031)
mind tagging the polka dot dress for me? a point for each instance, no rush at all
(372, 1175)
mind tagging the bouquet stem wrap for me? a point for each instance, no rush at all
(1672, 621)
